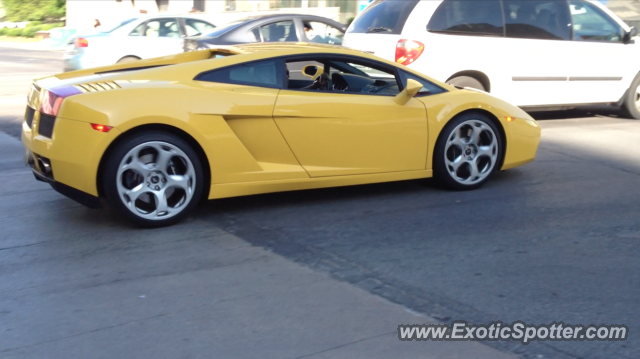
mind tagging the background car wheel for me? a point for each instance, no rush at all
(153, 179)
(631, 106)
(468, 150)
(466, 81)
(128, 59)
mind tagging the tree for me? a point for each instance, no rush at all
(34, 10)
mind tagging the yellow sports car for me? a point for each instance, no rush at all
(156, 136)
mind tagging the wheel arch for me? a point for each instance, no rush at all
(478, 75)
(202, 156)
(492, 118)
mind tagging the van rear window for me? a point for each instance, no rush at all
(383, 17)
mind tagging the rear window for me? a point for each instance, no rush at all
(383, 17)
(478, 17)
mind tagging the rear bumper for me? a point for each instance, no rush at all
(72, 155)
(76, 195)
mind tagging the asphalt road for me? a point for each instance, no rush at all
(555, 240)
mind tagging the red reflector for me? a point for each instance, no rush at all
(408, 51)
(82, 42)
(101, 128)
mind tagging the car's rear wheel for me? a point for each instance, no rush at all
(153, 179)
(467, 152)
(466, 81)
(631, 106)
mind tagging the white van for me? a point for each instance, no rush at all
(546, 54)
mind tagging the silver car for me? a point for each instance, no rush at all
(133, 39)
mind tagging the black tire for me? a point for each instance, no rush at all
(631, 106)
(173, 143)
(128, 59)
(444, 152)
(466, 81)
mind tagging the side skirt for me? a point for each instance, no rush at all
(250, 188)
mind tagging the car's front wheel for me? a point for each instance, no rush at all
(153, 179)
(468, 150)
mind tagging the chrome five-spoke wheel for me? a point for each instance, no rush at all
(156, 180)
(153, 179)
(467, 152)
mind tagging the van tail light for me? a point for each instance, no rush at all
(408, 51)
(82, 42)
(51, 99)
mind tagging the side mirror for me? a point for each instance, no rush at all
(412, 88)
(633, 32)
(310, 70)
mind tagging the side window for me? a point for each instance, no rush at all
(196, 27)
(477, 17)
(260, 73)
(533, 19)
(279, 32)
(428, 88)
(254, 35)
(139, 30)
(322, 33)
(362, 78)
(162, 28)
(592, 24)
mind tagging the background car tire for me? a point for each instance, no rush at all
(631, 106)
(128, 59)
(466, 81)
(457, 153)
(186, 181)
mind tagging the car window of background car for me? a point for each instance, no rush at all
(592, 24)
(528, 19)
(428, 88)
(322, 33)
(162, 28)
(197, 27)
(260, 73)
(279, 32)
(478, 17)
(383, 16)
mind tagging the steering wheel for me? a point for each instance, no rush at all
(321, 82)
(339, 83)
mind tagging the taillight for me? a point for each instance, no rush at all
(51, 99)
(82, 42)
(408, 51)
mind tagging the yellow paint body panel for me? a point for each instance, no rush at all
(259, 140)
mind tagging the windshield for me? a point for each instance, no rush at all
(223, 29)
(112, 28)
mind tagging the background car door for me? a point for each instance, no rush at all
(335, 133)
(604, 65)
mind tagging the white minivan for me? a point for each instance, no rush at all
(545, 54)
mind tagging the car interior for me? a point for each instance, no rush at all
(340, 76)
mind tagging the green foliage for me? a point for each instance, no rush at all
(350, 20)
(29, 31)
(34, 10)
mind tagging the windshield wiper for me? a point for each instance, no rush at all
(379, 29)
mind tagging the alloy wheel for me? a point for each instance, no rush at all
(471, 152)
(156, 180)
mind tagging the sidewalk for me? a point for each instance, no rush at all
(43, 45)
(77, 284)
